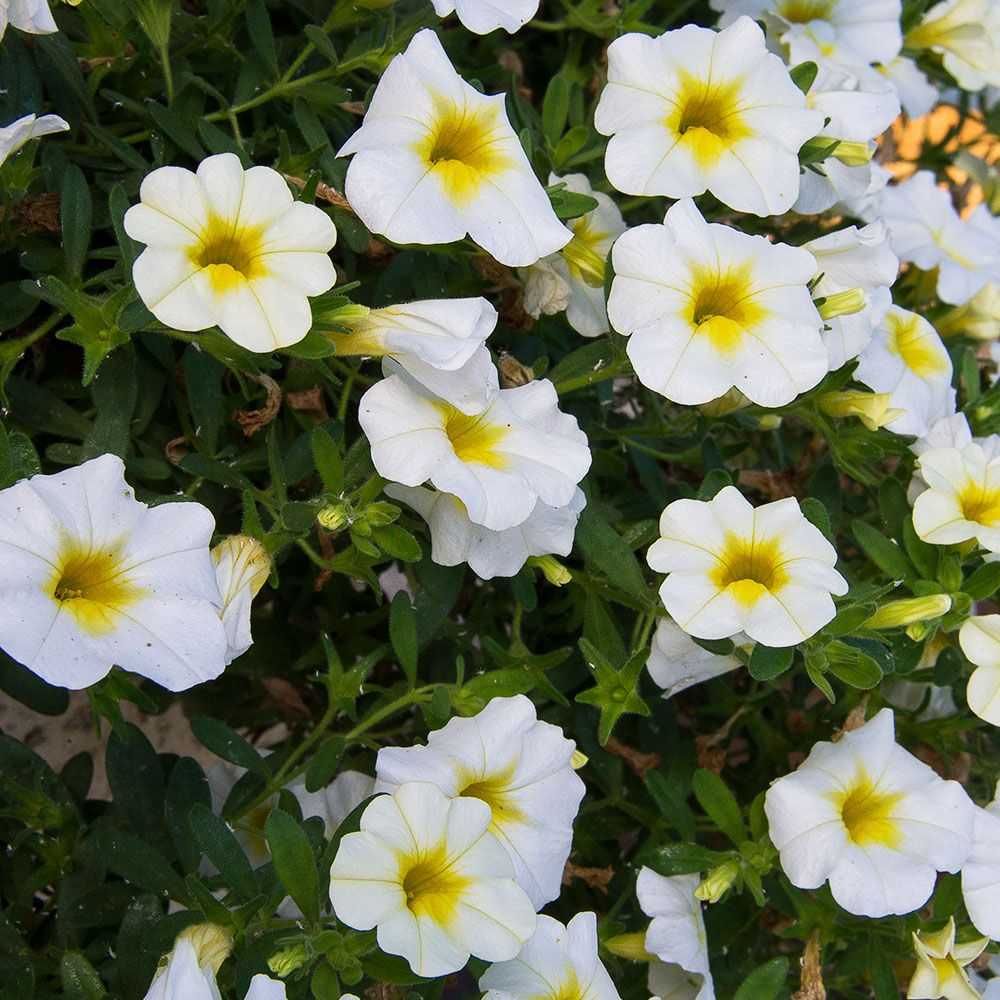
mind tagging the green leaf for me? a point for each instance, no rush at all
(403, 634)
(679, 859)
(719, 804)
(768, 662)
(76, 212)
(323, 766)
(80, 980)
(220, 846)
(608, 552)
(853, 667)
(816, 514)
(570, 205)
(883, 979)
(228, 744)
(764, 983)
(884, 553)
(293, 862)
(983, 582)
(555, 108)
(397, 542)
(187, 787)
(261, 35)
(154, 19)
(329, 464)
(804, 75)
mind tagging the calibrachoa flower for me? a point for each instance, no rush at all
(871, 819)
(731, 568)
(231, 248)
(707, 308)
(426, 872)
(981, 873)
(979, 638)
(978, 318)
(241, 569)
(966, 34)
(860, 31)
(519, 449)
(438, 342)
(435, 160)
(15, 135)
(925, 230)
(941, 965)
(697, 110)
(676, 662)
(573, 279)
(907, 359)
(916, 93)
(853, 260)
(962, 499)
(32, 16)
(94, 579)
(483, 16)
(520, 767)
(558, 962)
(455, 539)
(676, 936)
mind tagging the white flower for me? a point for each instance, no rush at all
(962, 499)
(730, 568)
(483, 16)
(520, 767)
(864, 31)
(676, 662)
(697, 110)
(979, 638)
(907, 359)
(981, 873)
(427, 873)
(263, 988)
(849, 259)
(871, 819)
(547, 289)
(558, 962)
(708, 308)
(941, 965)
(858, 108)
(925, 230)
(573, 279)
(455, 539)
(676, 936)
(866, 205)
(438, 342)
(917, 94)
(241, 569)
(910, 695)
(94, 579)
(188, 972)
(436, 160)
(978, 318)
(230, 247)
(33, 16)
(15, 135)
(499, 462)
(966, 34)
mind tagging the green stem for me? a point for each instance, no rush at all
(612, 370)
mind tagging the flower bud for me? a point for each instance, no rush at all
(546, 292)
(212, 944)
(552, 569)
(978, 318)
(871, 408)
(335, 517)
(632, 946)
(910, 611)
(854, 154)
(580, 255)
(842, 303)
(718, 882)
(578, 760)
(283, 963)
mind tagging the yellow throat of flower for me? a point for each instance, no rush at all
(431, 887)
(495, 791)
(804, 11)
(93, 586)
(230, 254)
(980, 504)
(722, 305)
(706, 117)
(475, 439)
(867, 812)
(463, 147)
(914, 346)
(749, 568)
(582, 254)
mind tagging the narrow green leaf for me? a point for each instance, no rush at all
(764, 983)
(293, 862)
(403, 634)
(719, 804)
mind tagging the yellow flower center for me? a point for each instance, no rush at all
(749, 568)
(231, 254)
(980, 504)
(803, 11)
(474, 439)
(432, 888)
(722, 305)
(568, 989)
(463, 147)
(867, 813)
(583, 255)
(93, 587)
(915, 347)
(706, 117)
(495, 791)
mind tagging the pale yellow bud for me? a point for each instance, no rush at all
(578, 760)
(283, 963)
(871, 408)
(632, 946)
(842, 303)
(334, 517)
(909, 611)
(212, 944)
(718, 882)
(552, 569)
(732, 401)
(854, 154)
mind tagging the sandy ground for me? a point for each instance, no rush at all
(57, 739)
